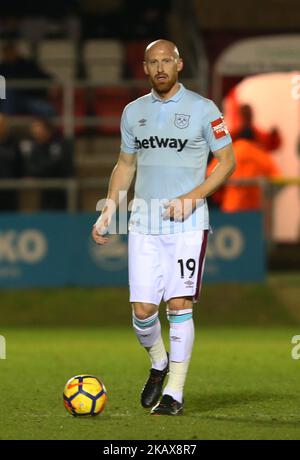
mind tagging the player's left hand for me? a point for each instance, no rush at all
(178, 210)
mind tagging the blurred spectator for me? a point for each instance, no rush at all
(251, 162)
(23, 101)
(101, 19)
(9, 25)
(268, 140)
(47, 155)
(147, 21)
(9, 165)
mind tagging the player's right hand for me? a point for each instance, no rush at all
(99, 239)
(100, 228)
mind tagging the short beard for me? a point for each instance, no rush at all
(164, 87)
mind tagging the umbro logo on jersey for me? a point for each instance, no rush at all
(142, 122)
(154, 142)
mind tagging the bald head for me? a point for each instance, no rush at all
(161, 46)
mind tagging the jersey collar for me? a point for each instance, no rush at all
(175, 98)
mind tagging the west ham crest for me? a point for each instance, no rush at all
(181, 120)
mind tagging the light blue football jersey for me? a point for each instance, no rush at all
(172, 140)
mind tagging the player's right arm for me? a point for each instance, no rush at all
(120, 180)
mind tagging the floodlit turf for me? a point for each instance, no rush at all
(275, 302)
(243, 384)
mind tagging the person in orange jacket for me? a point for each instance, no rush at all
(268, 140)
(251, 162)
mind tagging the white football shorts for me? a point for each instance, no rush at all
(166, 266)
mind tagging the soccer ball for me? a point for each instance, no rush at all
(84, 395)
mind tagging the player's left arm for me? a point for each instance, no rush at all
(180, 208)
(223, 169)
(219, 142)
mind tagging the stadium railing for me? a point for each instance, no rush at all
(69, 119)
(74, 186)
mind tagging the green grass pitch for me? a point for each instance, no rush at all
(242, 384)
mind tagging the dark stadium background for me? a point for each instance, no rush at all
(64, 303)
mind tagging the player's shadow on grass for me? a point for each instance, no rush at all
(212, 401)
(206, 403)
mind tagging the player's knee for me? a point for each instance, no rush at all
(180, 303)
(144, 310)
